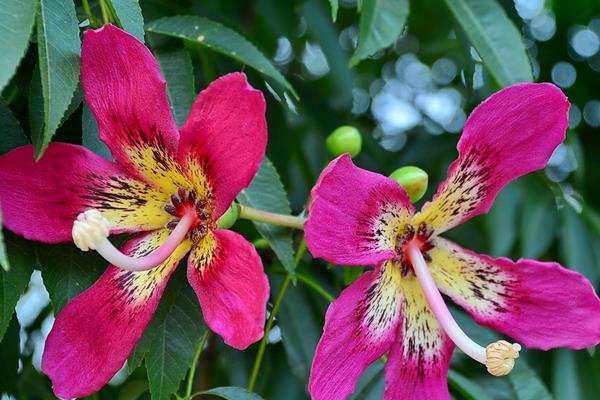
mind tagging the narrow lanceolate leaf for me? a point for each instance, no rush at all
(11, 133)
(371, 384)
(59, 50)
(14, 282)
(495, 38)
(129, 16)
(527, 384)
(173, 346)
(576, 245)
(166, 303)
(16, 22)
(214, 36)
(334, 9)
(300, 331)
(266, 192)
(9, 358)
(501, 220)
(67, 271)
(3, 256)
(381, 22)
(468, 389)
(90, 138)
(176, 66)
(233, 393)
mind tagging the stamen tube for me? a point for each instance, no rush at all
(499, 357)
(91, 230)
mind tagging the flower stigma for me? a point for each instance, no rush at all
(499, 357)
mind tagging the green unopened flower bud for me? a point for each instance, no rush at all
(345, 139)
(231, 215)
(413, 179)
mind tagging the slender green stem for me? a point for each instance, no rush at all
(105, 12)
(271, 320)
(255, 214)
(192, 374)
(315, 286)
(87, 9)
(263, 342)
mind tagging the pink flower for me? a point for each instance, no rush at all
(363, 218)
(161, 177)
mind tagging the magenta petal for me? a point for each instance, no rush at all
(40, 200)
(127, 94)
(95, 333)
(360, 326)
(540, 304)
(418, 361)
(355, 215)
(225, 137)
(232, 287)
(409, 377)
(510, 134)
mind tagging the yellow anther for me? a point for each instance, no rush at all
(500, 357)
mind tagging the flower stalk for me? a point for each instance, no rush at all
(254, 214)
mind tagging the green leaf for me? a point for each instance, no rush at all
(216, 37)
(9, 357)
(16, 22)
(468, 389)
(59, 50)
(565, 382)
(11, 133)
(371, 384)
(381, 22)
(173, 346)
(3, 256)
(14, 282)
(266, 192)
(539, 222)
(300, 330)
(90, 137)
(334, 9)
(501, 220)
(576, 246)
(176, 66)
(233, 393)
(166, 303)
(495, 38)
(67, 271)
(323, 32)
(129, 16)
(527, 384)
(133, 390)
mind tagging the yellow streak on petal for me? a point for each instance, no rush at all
(389, 224)
(382, 309)
(203, 252)
(144, 283)
(158, 167)
(128, 203)
(422, 334)
(459, 274)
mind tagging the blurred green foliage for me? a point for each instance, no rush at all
(300, 58)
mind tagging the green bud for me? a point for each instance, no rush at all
(231, 215)
(345, 139)
(413, 179)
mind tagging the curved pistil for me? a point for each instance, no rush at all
(499, 357)
(91, 230)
